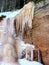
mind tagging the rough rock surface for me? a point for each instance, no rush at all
(40, 34)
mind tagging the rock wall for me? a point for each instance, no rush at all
(40, 33)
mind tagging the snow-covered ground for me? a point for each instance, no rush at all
(26, 62)
(23, 62)
(10, 13)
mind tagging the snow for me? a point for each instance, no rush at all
(3, 63)
(23, 45)
(22, 62)
(30, 45)
(10, 13)
(26, 62)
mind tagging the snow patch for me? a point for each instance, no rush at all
(10, 13)
(26, 62)
(24, 45)
(3, 63)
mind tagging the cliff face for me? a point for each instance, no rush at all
(40, 33)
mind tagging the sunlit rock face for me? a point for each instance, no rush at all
(40, 31)
(40, 34)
